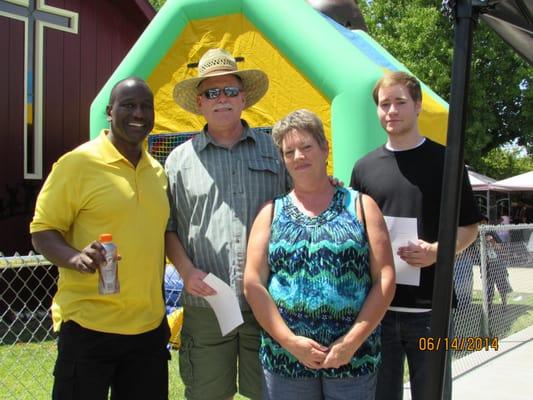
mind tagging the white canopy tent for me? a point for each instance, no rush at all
(482, 183)
(518, 183)
(479, 181)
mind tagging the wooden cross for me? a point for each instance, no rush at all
(36, 15)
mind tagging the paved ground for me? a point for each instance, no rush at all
(509, 375)
(506, 375)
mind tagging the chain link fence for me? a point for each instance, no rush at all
(27, 341)
(494, 286)
(493, 282)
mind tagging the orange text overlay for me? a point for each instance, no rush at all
(467, 343)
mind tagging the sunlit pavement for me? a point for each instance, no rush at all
(506, 375)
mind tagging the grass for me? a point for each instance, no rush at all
(26, 372)
(504, 320)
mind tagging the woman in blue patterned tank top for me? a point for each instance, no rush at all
(315, 283)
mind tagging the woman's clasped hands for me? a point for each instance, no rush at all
(313, 355)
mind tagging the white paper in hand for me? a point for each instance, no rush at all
(401, 232)
(224, 304)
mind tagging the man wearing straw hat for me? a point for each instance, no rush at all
(217, 182)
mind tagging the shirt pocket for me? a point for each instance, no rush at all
(265, 164)
(266, 178)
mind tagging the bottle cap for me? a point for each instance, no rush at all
(106, 238)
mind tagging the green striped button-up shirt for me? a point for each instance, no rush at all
(215, 193)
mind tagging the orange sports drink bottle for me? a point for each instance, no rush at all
(108, 280)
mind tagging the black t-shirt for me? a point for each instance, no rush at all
(408, 184)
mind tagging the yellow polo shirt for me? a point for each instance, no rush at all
(92, 190)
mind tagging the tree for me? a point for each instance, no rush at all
(157, 4)
(500, 96)
(503, 162)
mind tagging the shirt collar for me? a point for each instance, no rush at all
(204, 138)
(389, 146)
(109, 152)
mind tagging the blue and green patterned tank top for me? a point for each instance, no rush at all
(319, 280)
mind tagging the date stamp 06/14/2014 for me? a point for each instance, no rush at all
(467, 343)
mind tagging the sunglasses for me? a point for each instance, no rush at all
(229, 91)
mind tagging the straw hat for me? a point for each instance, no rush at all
(217, 62)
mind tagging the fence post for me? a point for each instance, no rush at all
(485, 330)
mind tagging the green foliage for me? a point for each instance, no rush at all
(501, 163)
(500, 108)
(157, 4)
(416, 34)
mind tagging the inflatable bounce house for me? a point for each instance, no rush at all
(312, 62)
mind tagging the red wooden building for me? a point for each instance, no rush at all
(56, 56)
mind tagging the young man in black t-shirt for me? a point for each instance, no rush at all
(404, 177)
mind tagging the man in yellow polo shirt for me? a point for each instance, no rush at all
(108, 185)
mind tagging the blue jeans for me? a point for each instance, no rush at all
(400, 332)
(277, 387)
(463, 281)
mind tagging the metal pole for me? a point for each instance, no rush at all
(485, 330)
(488, 207)
(452, 182)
